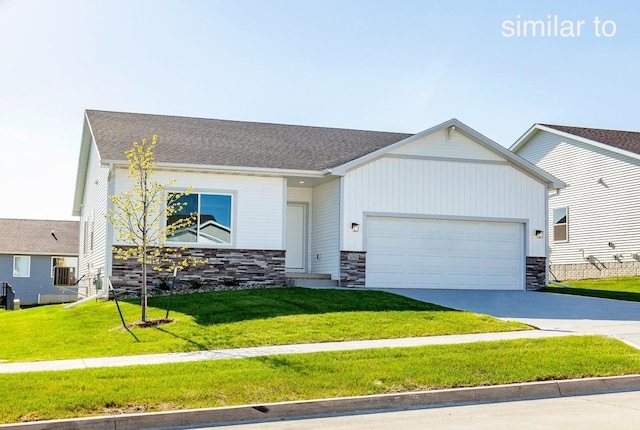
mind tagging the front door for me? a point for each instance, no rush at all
(296, 255)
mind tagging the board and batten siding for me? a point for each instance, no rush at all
(94, 253)
(447, 145)
(325, 236)
(465, 182)
(258, 203)
(601, 194)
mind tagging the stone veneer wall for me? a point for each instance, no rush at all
(563, 272)
(536, 276)
(352, 268)
(226, 269)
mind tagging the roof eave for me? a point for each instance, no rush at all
(40, 253)
(552, 182)
(236, 170)
(83, 166)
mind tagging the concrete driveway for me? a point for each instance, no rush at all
(614, 318)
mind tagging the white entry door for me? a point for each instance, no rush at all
(296, 256)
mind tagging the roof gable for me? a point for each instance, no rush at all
(213, 142)
(619, 141)
(25, 236)
(446, 144)
(455, 126)
(627, 140)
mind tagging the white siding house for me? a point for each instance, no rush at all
(444, 208)
(594, 224)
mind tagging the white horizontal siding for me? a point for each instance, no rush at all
(92, 217)
(259, 203)
(598, 214)
(447, 145)
(325, 234)
(443, 188)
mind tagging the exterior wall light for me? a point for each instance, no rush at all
(355, 227)
(539, 234)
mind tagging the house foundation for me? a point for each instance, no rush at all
(353, 265)
(564, 272)
(536, 274)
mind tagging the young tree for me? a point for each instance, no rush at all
(141, 218)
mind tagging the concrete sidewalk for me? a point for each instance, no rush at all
(183, 357)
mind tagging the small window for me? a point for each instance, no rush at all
(21, 266)
(213, 219)
(560, 224)
(63, 262)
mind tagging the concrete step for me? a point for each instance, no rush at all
(307, 275)
(313, 280)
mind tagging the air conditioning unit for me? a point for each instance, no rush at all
(64, 276)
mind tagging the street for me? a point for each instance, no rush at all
(601, 411)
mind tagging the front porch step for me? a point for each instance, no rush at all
(311, 280)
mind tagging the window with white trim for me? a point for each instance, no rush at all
(213, 224)
(561, 224)
(21, 266)
(63, 262)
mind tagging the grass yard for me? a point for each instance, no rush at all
(230, 319)
(625, 288)
(51, 395)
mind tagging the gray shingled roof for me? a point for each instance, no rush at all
(25, 236)
(234, 143)
(627, 140)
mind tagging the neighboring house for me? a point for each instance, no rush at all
(30, 251)
(594, 223)
(444, 208)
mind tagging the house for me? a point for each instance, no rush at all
(594, 223)
(444, 208)
(30, 252)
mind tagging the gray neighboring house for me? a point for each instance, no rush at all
(594, 223)
(443, 208)
(29, 253)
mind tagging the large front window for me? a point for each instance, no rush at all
(212, 221)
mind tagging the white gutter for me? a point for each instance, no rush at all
(266, 171)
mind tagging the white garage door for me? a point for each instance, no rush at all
(450, 254)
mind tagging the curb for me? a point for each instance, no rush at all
(342, 406)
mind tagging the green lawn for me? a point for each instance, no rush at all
(625, 288)
(231, 319)
(51, 395)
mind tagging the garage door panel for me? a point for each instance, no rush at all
(429, 253)
(464, 265)
(502, 264)
(393, 259)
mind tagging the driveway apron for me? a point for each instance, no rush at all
(548, 311)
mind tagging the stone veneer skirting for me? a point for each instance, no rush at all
(536, 275)
(226, 269)
(352, 268)
(563, 272)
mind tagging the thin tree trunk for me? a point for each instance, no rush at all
(143, 300)
(144, 246)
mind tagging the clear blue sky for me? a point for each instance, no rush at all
(379, 65)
